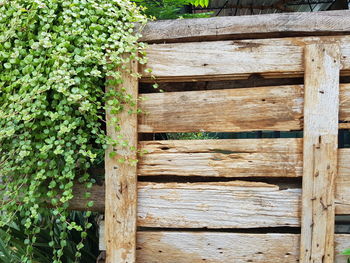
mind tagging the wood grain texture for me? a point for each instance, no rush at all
(220, 60)
(235, 204)
(121, 182)
(262, 26)
(233, 110)
(222, 158)
(321, 110)
(213, 247)
(342, 187)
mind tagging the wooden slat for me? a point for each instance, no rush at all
(222, 158)
(233, 59)
(217, 205)
(342, 189)
(121, 182)
(212, 247)
(321, 107)
(232, 110)
(342, 186)
(235, 204)
(262, 26)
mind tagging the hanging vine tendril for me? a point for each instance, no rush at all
(56, 58)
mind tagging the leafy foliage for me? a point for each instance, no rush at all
(171, 9)
(55, 59)
(191, 136)
(347, 253)
(42, 252)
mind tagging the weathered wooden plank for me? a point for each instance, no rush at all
(262, 26)
(121, 181)
(213, 247)
(198, 61)
(321, 109)
(232, 110)
(235, 204)
(222, 158)
(342, 188)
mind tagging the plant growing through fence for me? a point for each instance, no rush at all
(55, 59)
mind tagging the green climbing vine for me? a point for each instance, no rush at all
(56, 58)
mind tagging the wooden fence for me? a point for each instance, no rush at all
(234, 200)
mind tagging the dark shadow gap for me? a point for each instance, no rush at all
(265, 230)
(282, 182)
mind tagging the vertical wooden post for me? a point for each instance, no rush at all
(121, 183)
(322, 66)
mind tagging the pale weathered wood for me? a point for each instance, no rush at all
(262, 26)
(236, 204)
(198, 61)
(233, 110)
(121, 181)
(222, 158)
(321, 108)
(213, 247)
(342, 184)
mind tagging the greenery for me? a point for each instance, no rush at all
(56, 58)
(171, 9)
(42, 252)
(191, 136)
(347, 252)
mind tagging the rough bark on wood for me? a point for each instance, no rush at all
(321, 107)
(262, 26)
(220, 60)
(121, 182)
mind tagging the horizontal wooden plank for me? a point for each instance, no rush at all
(262, 26)
(217, 205)
(232, 110)
(222, 158)
(213, 247)
(198, 61)
(289, 198)
(342, 188)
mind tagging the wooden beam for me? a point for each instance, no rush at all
(342, 186)
(321, 109)
(214, 247)
(121, 181)
(222, 158)
(231, 110)
(236, 204)
(237, 59)
(262, 26)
